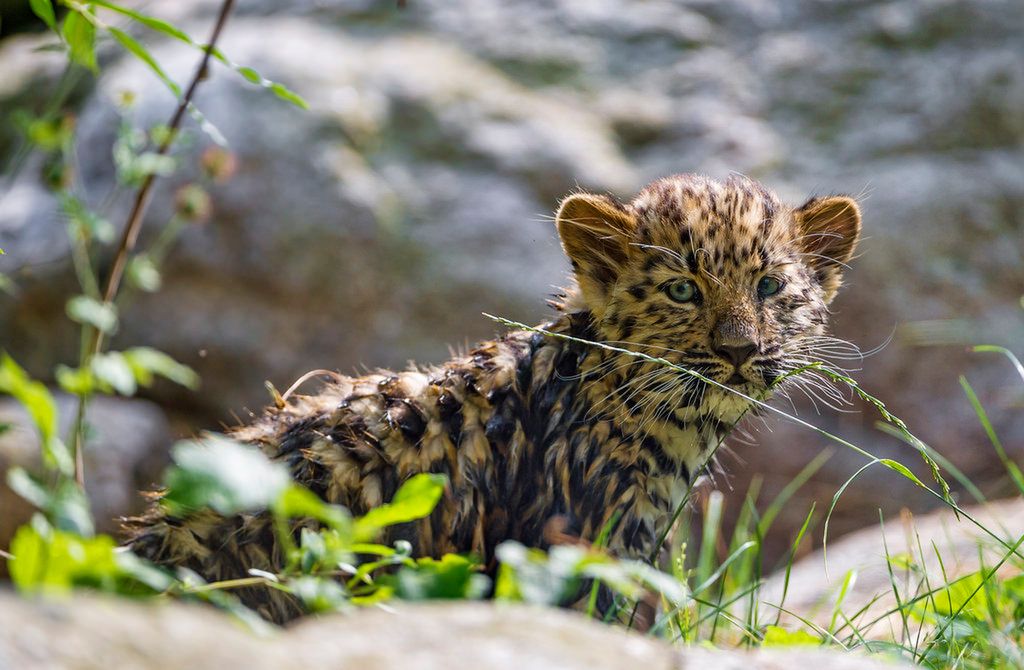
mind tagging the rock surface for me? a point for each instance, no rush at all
(812, 595)
(376, 227)
(88, 633)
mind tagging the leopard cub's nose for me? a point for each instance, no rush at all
(738, 355)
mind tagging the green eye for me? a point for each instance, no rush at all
(768, 286)
(682, 291)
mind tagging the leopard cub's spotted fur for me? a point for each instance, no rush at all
(721, 278)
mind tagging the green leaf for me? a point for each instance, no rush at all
(47, 133)
(64, 504)
(158, 25)
(963, 597)
(281, 91)
(296, 502)
(363, 575)
(146, 362)
(100, 315)
(44, 10)
(22, 483)
(41, 408)
(69, 509)
(452, 577)
(326, 550)
(32, 394)
(113, 370)
(552, 579)
(528, 575)
(28, 566)
(140, 52)
(903, 561)
(80, 35)
(254, 77)
(56, 455)
(1014, 588)
(313, 549)
(87, 222)
(132, 162)
(415, 499)
(224, 475)
(151, 163)
(775, 636)
(288, 95)
(319, 594)
(902, 469)
(174, 32)
(47, 560)
(76, 381)
(250, 75)
(145, 573)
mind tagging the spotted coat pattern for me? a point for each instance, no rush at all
(530, 428)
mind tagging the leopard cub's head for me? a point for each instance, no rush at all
(720, 277)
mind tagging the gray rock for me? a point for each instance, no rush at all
(88, 632)
(816, 579)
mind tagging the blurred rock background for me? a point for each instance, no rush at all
(415, 193)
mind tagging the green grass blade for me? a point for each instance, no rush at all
(1006, 352)
(790, 489)
(792, 557)
(990, 431)
(832, 506)
(848, 581)
(709, 537)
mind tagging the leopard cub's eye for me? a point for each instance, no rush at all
(768, 286)
(683, 290)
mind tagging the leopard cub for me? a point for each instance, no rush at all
(720, 278)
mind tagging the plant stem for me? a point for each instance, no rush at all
(241, 582)
(131, 229)
(134, 223)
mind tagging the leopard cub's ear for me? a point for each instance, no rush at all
(829, 230)
(595, 232)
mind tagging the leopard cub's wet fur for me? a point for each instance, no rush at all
(719, 277)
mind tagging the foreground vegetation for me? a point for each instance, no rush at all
(703, 595)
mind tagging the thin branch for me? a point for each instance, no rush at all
(131, 229)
